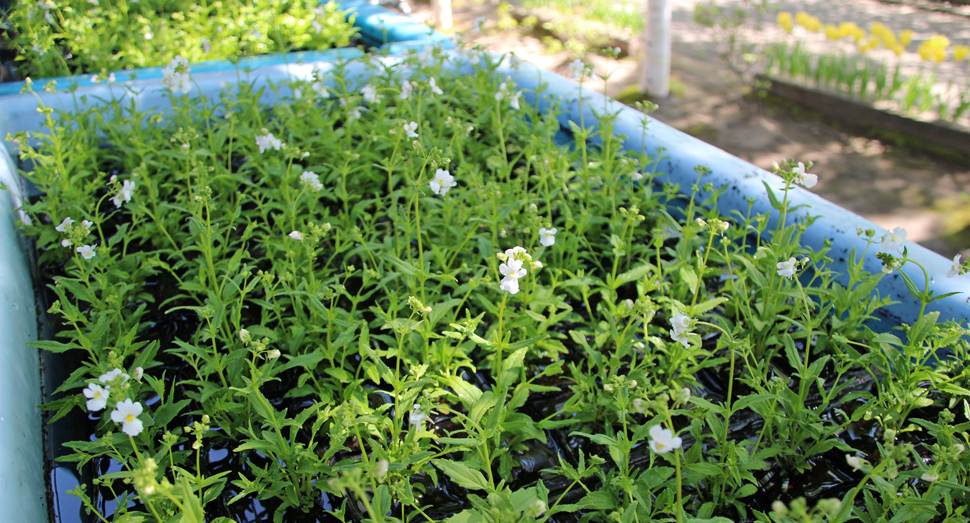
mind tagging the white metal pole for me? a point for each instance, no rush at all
(655, 67)
(442, 14)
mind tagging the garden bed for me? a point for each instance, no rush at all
(862, 114)
(593, 362)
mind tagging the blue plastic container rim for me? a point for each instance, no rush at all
(379, 28)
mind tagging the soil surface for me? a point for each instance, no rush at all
(889, 184)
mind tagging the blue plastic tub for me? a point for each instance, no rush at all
(22, 485)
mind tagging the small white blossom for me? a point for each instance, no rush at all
(434, 86)
(576, 68)
(273, 354)
(854, 461)
(312, 180)
(139, 372)
(930, 476)
(893, 241)
(547, 237)
(296, 235)
(321, 89)
(663, 440)
(125, 194)
(245, 336)
(317, 26)
(87, 225)
(417, 417)
(380, 468)
(65, 243)
(97, 397)
(127, 412)
(406, 89)
(64, 225)
(410, 129)
(370, 94)
(109, 376)
(478, 24)
(268, 141)
(206, 46)
(86, 251)
(787, 268)
(636, 175)
(511, 271)
(176, 75)
(38, 49)
(803, 178)
(680, 328)
(956, 268)
(442, 182)
(514, 99)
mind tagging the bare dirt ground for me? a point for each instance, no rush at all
(890, 185)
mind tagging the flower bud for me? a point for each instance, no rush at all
(245, 336)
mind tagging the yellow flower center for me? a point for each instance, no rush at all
(129, 418)
(660, 446)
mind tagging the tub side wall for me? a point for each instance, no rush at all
(23, 491)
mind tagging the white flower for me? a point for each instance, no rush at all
(317, 26)
(417, 417)
(663, 440)
(930, 476)
(111, 78)
(244, 336)
(64, 225)
(680, 328)
(636, 175)
(576, 68)
(311, 180)
(109, 376)
(442, 181)
(370, 94)
(787, 268)
(320, 89)
(139, 372)
(38, 49)
(97, 397)
(87, 225)
(957, 267)
(125, 194)
(536, 265)
(410, 129)
(273, 354)
(351, 113)
(511, 272)
(854, 461)
(380, 468)
(434, 86)
(803, 178)
(514, 99)
(268, 141)
(547, 237)
(406, 89)
(206, 46)
(176, 75)
(478, 24)
(893, 241)
(514, 61)
(127, 412)
(86, 251)
(46, 4)
(296, 236)
(65, 243)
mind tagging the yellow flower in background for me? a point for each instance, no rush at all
(785, 21)
(869, 44)
(905, 37)
(898, 49)
(877, 29)
(832, 32)
(934, 49)
(960, 52)
(808, 21)
(847, 29)
(889, 39)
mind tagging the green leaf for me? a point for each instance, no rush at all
(633, 274)
(462, 474)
